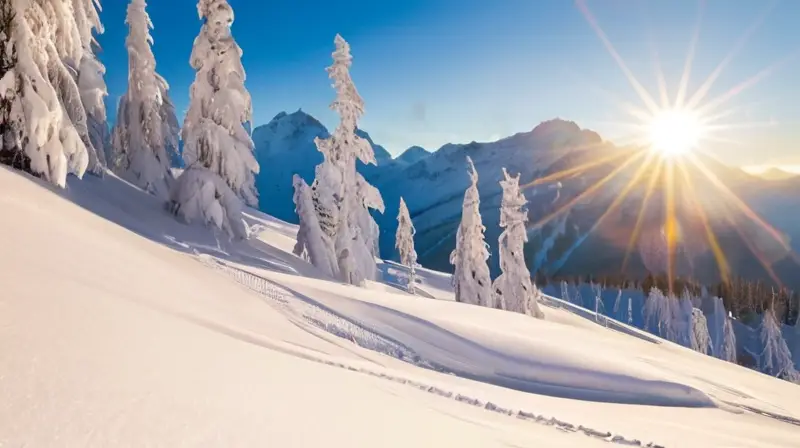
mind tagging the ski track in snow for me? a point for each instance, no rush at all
(295, 307)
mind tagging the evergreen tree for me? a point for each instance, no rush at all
(723, 339)
(92, 85)
(700, 338)
(218, 150)
(776, 357)
(514, 289)
(471, 278)
(50, 121)
(404, 243)
(342, 197)
(10, 151)
(139, 142)
(312, 243)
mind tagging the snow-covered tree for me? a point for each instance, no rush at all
(514, 289)
(471, 278)
(776, 357)
(342, 197)
(218, 149)
(170, 127)
(50, 121)
(723, 339)
(404, 243)
(92, 85)
(657, 313)
(199, 196)
(312, 243)
(214, 133)
(139, 142)
(71, 24)
(10, 151)
(700, 338)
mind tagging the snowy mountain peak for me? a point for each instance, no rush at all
(413, 155)
(382, 156)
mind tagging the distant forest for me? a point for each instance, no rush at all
(743, 298)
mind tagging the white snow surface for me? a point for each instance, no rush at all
(120, 326)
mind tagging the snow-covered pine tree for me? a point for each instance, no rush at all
(342, 197)
(218, 150)
(138, 139)
(404, 243)
(700, 338)
(170, 127)
(50, 120)
(471, 278)
(514, 289)
(91, 83)
(776, 357)
(66, 56)
(10, 150)
(723, 339)
(658, 313)
(312, 242)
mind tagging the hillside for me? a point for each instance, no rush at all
(120, 326)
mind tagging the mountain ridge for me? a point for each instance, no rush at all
(433, 183)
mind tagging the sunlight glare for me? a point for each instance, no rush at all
(675, 132)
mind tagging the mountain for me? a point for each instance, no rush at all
(777, 174)
(412, 155)
(583, 237)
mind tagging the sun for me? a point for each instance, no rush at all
(674, 132)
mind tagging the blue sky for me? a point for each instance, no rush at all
(438, 71)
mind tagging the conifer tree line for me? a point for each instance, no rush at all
(743, 298)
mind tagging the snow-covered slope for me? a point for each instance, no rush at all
(120, 326)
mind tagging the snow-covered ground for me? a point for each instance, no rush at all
(120, 326)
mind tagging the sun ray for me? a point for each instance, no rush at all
(742, 125)
(670, 221)
(716, 249)
(629, 108)
(740, 43)
(644, 95)
(661, 79)
(588, 192)
(687, 67)
(744, 85)
(722, 188)
(727, 141)
(563, 174)
(753, 249)
(623, 194)
(663, 91)
(637, 229)
(711, 119)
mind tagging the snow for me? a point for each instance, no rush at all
(141, 135)
(120, 326)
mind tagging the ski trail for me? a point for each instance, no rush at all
(295, 307)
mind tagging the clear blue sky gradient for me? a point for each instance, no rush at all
(438, 71)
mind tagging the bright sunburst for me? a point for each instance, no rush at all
(675, 132)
